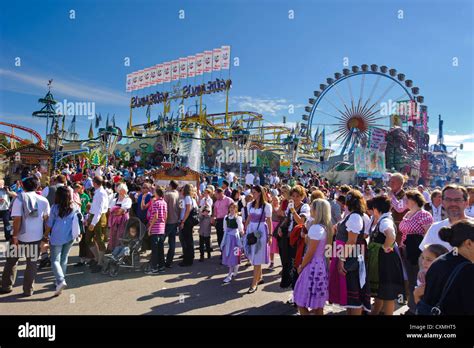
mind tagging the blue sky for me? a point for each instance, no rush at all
(282, 60)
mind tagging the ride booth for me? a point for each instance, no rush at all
(182, 175)
(23, 159)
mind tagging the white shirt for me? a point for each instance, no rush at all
(98, 172)
(317, 232)
(34, 225)
(249, 179)
(386, 224)
(304, 211)
(100, 205)
(38, 175)
(432, 236)
(205, 201)
(436, 212)
(240, 224)
(125, 203)
(230, 177)
(427, 196)
(469, 211)
(355, 223)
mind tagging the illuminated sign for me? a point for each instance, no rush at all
(187, 91)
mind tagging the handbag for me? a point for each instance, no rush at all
(251, 237)
(423, 308)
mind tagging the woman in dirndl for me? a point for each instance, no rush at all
(384, 264)
(258, 227)
(348, 281)
(311, 289)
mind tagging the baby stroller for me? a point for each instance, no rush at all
(130, 258)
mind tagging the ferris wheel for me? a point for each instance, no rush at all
(348, 105)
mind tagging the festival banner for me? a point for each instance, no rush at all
(225, 59)
(183, 68)
(167, 72)
(191, 66)
(159, 74)
(199, 64)
(128, 85)
(175, 70)
(207, 61)
(216, 59)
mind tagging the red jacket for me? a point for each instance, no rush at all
(298, 242)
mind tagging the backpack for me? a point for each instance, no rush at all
(193, 217)
(423, 308)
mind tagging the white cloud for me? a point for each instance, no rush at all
(264, 106)
(455, 140)
(23, 83)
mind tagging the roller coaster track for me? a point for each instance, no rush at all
(12, 136)
(25, 129)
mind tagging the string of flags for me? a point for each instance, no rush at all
(182, 68)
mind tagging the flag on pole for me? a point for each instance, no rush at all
(147, 77)
(129, 131)
(183, 68)
(191, 66)
(107, 121)
(135, 81)
(175, 70)
(159, 74)
(167, 72)
(113, 120)
(128, 86)
(207, 61)
(315, 139)
(199, 64)
(324, 138)
(91, 132)
(98, 120)
(153, 76)
(141, 79)
(72, 126)
(225, 53)
(216, 59)
(320, 142)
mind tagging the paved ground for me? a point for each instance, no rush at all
(190, 290)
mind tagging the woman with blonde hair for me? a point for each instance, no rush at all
(311, 289)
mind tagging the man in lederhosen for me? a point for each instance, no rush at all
(96, 232)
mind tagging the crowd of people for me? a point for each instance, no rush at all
(362, 247)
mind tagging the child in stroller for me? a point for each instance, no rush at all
(127, 254)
